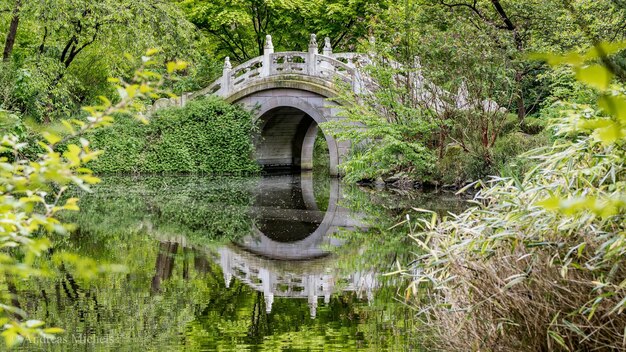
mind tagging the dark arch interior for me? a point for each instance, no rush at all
(285, 209)
(286, 140)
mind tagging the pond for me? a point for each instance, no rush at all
(272, 263)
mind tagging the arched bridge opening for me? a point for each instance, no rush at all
(286, 140)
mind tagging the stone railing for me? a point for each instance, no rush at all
(329, 67)
(326, 66)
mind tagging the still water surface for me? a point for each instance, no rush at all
(274, 263)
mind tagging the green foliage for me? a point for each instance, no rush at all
(321, 159)
(509, 150)
(455, 167)
(538, 264)
(32, 195)
(65, 50)
(175, 287)
(199, 209)
(206, 136)
(239, 27)
(387, 136)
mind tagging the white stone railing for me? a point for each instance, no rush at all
(326, 66)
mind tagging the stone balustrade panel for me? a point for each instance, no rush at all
(329, 68)
(288, 62)
(352, 60)
(247, 71)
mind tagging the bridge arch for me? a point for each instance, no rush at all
(288, 80)
(289, 123)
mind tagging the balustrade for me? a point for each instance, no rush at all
(326, 66)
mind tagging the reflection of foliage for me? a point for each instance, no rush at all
(381, 242)
(193, 207)
(32, 194)
(321, 190)
(173, 294)
(376, 247)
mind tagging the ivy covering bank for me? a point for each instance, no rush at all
(206, 136)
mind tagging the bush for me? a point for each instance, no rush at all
(456, 166)
(538, 264)
(321, 156)
(206, 136)
(508, 149)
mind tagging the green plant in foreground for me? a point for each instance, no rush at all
(539, 263)
(32, 193)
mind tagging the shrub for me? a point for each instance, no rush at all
(538, 264)
(206, 136)
(456, 166)
(508, 151)
(321, 156)
(32, 197)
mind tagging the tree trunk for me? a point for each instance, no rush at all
(10, 41)
(521, 108)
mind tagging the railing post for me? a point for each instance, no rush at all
(311, 61)
(328, 49)
(372, 47)
(226, 82)
(268, 49)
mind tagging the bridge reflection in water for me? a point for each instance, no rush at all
(287, 253)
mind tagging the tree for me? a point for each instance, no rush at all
(239, 27)
(538, 263)
(12, 33)
(32, 191)
(65, 50)
(520, 27)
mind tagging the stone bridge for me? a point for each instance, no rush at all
(288, 93)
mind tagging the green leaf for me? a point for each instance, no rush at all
(596, 76)
(34, 323)
(558, 338)
(614, 106)
(51, 138)
(552, 203)
(610, 134)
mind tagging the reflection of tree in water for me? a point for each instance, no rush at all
(174, 291)
(165, 264)
(382, 244)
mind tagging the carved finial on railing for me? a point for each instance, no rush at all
(226, 73)
(268, 42)
(328, 49)
(227, 65)
(268, 50)
(372, 47)
(313, 45)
